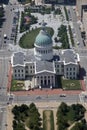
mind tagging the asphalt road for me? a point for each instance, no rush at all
(76, 27)
(4, 65)
(10, 10)
(45, 98)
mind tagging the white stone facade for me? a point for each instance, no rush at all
(44, 64)
(45, 53)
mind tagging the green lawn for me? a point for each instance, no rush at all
(70, 84)
(28, 39)
(48, 120)
(17, 85)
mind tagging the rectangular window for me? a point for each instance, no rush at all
(30, 67)
(15, 71)
(73, 77)
(67, 69)
(73, 73)
(57, 65)
(18, 75)
(74, 68)
(62, 66)
(26, 67)
(22, 75)
(21, 70)
(18, 70)
(15, 75)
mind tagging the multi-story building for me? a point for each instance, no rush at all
(39, 2)
(81, 6)
(44, 64)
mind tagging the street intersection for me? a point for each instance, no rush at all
(36, 95)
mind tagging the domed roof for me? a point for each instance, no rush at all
(43, 39)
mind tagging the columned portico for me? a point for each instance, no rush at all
(45, 80)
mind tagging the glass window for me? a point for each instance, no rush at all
(52, 77)
(67, 69)
(73, 77)
(74, 68)
(73, 73)
(15, 75)
(18, 70)
(45, 77)
(15, 70)
(48, 77)
(57, 65)
(19, 75)
(31, 67)
(21, 70)
(22, 75)
(26, 67)
(70, 68)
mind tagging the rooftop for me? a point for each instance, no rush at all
(58, 55)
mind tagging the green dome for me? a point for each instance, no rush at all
(43, 39)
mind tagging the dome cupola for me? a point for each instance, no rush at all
(43, 39)
(43, 45)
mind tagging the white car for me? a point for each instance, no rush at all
(78, 43)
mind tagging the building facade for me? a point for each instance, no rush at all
(43, 64)
(81, 6)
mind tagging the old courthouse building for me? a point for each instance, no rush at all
(43, 63)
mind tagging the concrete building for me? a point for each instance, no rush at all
(39, 2)
(81, 5)
(44, 64)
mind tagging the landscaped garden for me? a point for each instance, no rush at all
(68, 117)
(48, 120)
(26, 20)
(26, 117)
(62, 38)
(17, 85)
(71, 116)
(28, 39)
(1, 16)
(70, 84)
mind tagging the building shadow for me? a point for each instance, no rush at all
(82, 73)
(4, 1)
(58, 83)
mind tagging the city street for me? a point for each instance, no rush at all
(76, 27)
(5, 57)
